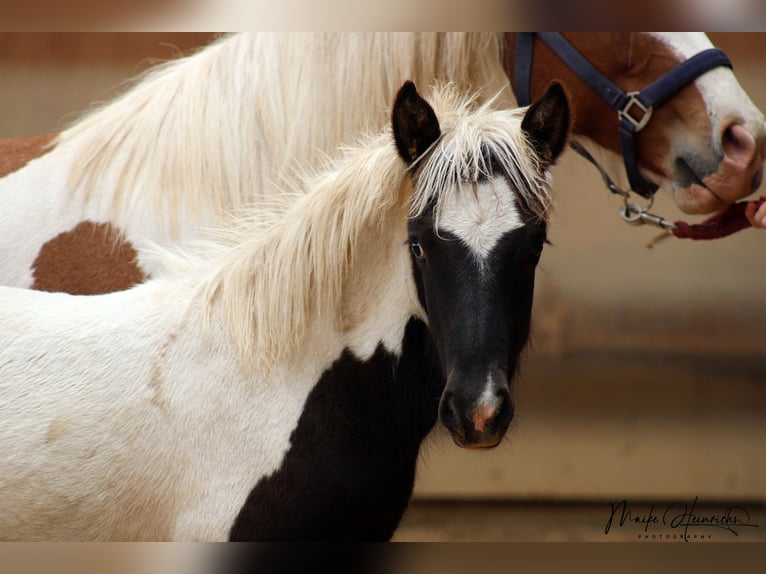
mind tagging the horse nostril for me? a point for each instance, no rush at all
(738, 144)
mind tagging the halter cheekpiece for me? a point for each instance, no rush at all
(634, 109)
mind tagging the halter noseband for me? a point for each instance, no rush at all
(634, 109)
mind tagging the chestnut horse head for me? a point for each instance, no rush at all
(703, 140)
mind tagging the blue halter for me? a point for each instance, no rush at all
(634, 109)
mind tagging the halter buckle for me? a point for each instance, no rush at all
(635, 112)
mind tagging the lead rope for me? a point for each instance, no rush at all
(721, 224)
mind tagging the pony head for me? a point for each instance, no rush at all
(476, 233)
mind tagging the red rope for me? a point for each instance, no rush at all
(719, 225)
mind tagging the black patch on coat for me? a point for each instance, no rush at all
(350, 469)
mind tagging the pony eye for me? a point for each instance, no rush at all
(417, 249)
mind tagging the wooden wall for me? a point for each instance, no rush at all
(130, 48)
(110, 48)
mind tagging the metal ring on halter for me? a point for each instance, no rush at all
(634, 103)
(631, 213)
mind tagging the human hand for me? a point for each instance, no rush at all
(756, 215)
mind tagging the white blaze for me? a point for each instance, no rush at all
(479, 217)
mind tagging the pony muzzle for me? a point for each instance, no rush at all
(476, 418)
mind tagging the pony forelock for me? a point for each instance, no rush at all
(480, 140)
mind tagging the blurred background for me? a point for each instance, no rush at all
(646, 380)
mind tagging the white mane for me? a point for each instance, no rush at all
(280, 264)
(209, 133)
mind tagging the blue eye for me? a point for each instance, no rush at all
(417, 249)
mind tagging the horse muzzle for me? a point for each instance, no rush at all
(477, 416)
(739, 173)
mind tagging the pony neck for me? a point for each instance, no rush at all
(332, 261)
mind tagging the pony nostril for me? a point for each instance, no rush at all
(507, 409)
(482, 415)
(497, 412)
(738, 144)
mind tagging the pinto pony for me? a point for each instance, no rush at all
(277, 381)
(201, 136)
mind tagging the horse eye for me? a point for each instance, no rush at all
(417, 249)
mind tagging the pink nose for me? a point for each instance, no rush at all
(743, 157)
(483, 414)
(738, 145)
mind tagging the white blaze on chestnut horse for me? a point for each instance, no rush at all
(202, 136)
(277, 381)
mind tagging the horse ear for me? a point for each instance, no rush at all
(547, 124)
(414, 123)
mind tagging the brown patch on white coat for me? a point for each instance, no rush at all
(90, 259)
(15, 153)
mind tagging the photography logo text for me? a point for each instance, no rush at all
(678, 521)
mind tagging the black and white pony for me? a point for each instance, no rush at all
(278, 380)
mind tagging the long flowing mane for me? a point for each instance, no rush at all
(281, 264)
(205, 134)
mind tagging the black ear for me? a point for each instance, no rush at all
(414, 123)
(546, 124)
